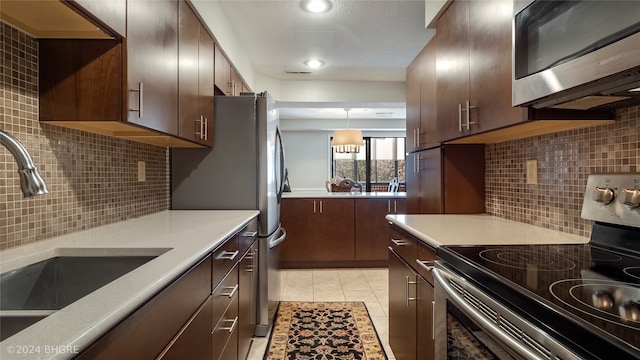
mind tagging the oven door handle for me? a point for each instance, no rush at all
(440, 276)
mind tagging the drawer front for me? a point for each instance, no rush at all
(405, 246)
(224, 294)
(146, 332)
(247, 236)
(225, 329)
(425, 262)
(224, 258)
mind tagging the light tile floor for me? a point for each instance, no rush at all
(367, 285)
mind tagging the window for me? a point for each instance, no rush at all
(378, 162)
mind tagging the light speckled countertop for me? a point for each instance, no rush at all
(442, 230)
(189, 235)
(342, 195)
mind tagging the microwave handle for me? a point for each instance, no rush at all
(475, 315)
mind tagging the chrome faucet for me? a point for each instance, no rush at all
(30, 181)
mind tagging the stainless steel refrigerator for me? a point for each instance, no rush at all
(245, 169)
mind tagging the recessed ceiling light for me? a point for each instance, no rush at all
(316, 6)
(314, 63)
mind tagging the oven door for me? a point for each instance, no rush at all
(472, 325)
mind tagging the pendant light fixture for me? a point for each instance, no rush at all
(347, 141)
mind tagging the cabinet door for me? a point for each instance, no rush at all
(431, 185)
(413, 103)
(247, 291)
(371, 228)
(236, 83)
(428, 134)
(194, 340)
(152, 57)
(425, 324)
(400, 206)
(205, 83)
(334, 226)
(490, 65)
(402, 309)
(222, 72)
(297, 216)
(188, 33)
(412, 182)
(452, 68)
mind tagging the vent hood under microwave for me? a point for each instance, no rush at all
(559, 64)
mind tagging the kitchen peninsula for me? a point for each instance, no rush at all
(185, 246)
(337, 229)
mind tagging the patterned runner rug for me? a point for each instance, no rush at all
(324, 331)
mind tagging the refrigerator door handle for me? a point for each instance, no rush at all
(283, 171)
(275, 242)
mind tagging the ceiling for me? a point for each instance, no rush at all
(370, 40)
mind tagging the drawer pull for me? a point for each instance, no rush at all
(231, 293)
(249, 234)
(232, 327)
(399, 242)
(228, 255)
(427, 265)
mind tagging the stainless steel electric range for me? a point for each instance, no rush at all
(548, 301)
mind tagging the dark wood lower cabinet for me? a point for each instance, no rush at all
(411, 298)
(402, 308)
(194, 340)
(247, 295)
(425, 330)
(331, 232)
(146, 332)
(372, 230)
(193, 318)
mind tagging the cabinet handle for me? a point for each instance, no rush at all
(140, 91)
(459, 117)
(206, 129)
(314, 206)
(320, 206)
(388, 206)
(418, 136)
(410, 283)
(231, 293)
(415, 143)
(227, 255)
(199, 132)
(433, 320)
(467, 125)
(418, 163)
(395, 206)
(250, 234)
(427, 265)
(232, 327)
(399, 242)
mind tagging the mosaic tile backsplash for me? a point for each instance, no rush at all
(565, 160)
(92, 179)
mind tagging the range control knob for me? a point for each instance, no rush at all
(631, 197)
(603, 195)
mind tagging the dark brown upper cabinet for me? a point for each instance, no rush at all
(195, 74)
(129, 88)
(463, 81)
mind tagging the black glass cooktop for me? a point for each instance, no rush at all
(586, 294)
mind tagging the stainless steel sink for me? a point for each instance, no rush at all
(31, 293)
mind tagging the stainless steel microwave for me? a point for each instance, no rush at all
(577, 54)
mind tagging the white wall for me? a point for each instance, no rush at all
(307, 156)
